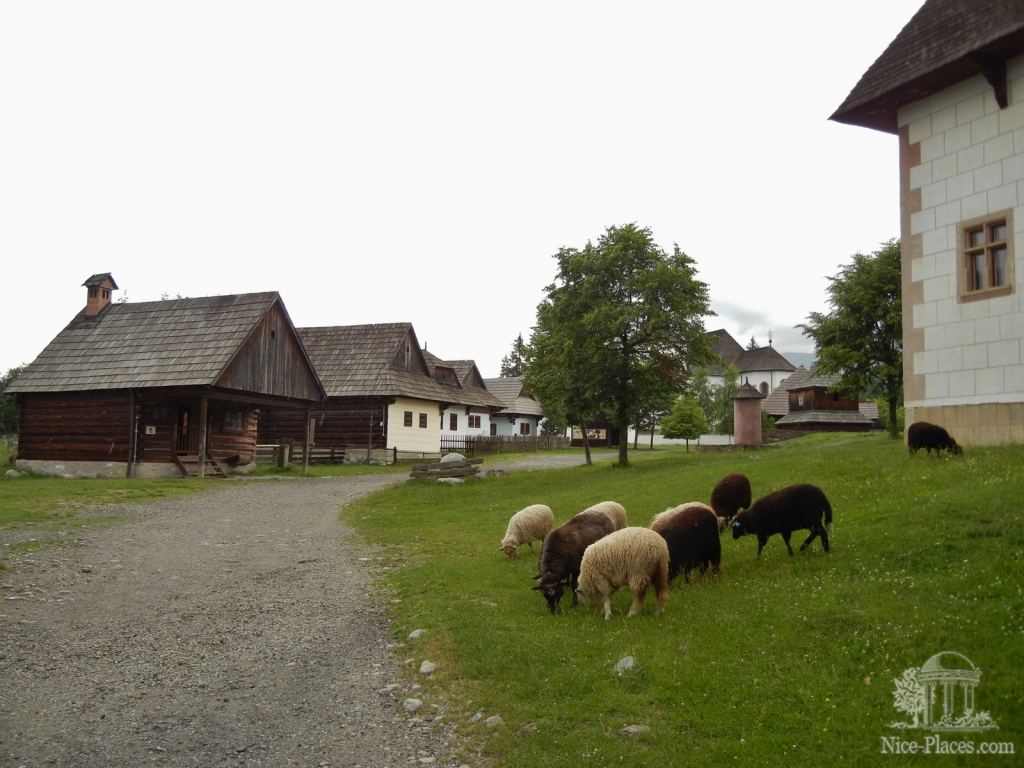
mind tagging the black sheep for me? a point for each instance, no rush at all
(730, 496)
(691, 532)
(921, 434)
(562, 552)
(797, 507)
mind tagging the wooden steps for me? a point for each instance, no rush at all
(188, 465)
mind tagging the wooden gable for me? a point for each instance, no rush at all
(272, 361)
(408, 356)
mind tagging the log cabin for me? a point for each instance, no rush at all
(160, 388)
(381, 400)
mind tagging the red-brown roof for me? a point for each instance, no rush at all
(939, 46)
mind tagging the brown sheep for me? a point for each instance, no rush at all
(691, 532)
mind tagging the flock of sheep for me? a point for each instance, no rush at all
(596, 552)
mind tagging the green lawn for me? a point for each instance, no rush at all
(780, 660)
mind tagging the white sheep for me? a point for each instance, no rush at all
(613, 511)
(633, 557)
(526, 526)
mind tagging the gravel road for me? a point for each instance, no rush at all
(236, 627)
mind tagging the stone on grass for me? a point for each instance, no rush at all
(411, 705)
(448, 458)
(631, 731)
(416, 633)
(626, 664)
(493, 721)
(427, 668)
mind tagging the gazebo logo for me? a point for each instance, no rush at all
(939, 696)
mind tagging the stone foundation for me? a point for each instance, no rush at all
(87, 469)
(985, 424)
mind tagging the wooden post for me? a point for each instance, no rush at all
(306, 445)
(203, 406)
(133, 431)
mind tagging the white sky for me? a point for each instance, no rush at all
(423, 161)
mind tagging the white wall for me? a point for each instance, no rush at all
(463, 425)
(507, 429)
(971, 165)
(414, 438)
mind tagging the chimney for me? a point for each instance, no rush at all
(99, 288)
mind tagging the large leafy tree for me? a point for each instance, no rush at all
(861, 337)
(622, 320)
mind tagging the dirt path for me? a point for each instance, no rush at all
(236, 627)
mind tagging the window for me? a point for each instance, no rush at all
(453, 422)
(408, 419)
(474, 421)
(494, 429)
(986, 257)
(423, 421)
(524, 428)
(233, 421)
(764, 387)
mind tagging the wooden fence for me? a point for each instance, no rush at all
(481, 445)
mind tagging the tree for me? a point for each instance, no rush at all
(723, 408)
(908, 695)
(685, 422)
(514, 363)
(752, 344)
(8, 403)
(622, 318)
(861, 338)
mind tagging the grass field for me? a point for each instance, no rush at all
(780, 660)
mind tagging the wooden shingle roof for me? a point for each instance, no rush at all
(467, 393)
(945, 42)
(373, 360)
(777, 403)
(762, 359)
(182, 342)
(509, 390)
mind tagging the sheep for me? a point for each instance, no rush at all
(633, 557)
(730, 496)
(921, 434)
(615, 512)
(526, 526)
(691, 532)
(793, 508)
(562, 552)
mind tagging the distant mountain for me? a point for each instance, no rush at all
(806, 359)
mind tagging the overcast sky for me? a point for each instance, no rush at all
(423, 161)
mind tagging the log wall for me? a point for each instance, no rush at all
(348, 423)
(76, 426)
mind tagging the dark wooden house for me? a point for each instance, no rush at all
(815, 404)
(381, 397)
(162, 387)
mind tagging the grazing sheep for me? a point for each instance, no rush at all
(633, 557)
(793, 508)
(562, 552)
(691, 532)
(615, 512)
(526, 526)
(730, 496)
(921, 434)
